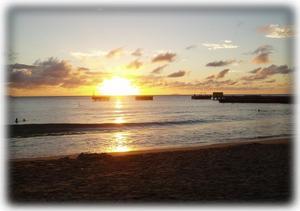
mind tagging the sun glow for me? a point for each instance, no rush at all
(117, 87)
(120, 143)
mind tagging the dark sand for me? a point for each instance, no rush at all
(248, 172)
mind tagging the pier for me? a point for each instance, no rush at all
(284, 99)
(201, 97)
(217, 95)
(256, 99)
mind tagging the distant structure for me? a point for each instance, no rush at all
(100, 98)
(144, 97)
(217, 95)
(256, 99)
(201, 97)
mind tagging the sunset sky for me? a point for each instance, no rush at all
(72, 51)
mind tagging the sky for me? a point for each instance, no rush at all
(66, 52)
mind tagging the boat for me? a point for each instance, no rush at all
(144, 97)
(100, 98)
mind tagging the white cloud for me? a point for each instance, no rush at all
(82, 55)
(226, 44)
(277, 31)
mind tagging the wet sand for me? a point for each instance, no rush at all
(251, 171)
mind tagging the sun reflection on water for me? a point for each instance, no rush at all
(118, 104)
(119, 120)
(118, 108)
(119, 143)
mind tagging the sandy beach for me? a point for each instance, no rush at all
(251, 171)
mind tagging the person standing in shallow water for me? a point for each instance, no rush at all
(16, 121)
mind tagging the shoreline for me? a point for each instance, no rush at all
(227, 143)
(254, 171)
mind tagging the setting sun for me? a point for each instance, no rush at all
(117, 87)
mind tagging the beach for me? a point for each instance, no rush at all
(257, 170)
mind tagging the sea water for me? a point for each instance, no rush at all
(167, 121)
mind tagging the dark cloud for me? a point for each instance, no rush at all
(159, 69)
(136, 64)
(216, 83)
(210, 77)
(164, 57)
(21, 66)
(51, 72)
(264, 73)
(190, 47)
(138, 52)
(222, 73)
(255, 70)
(220, 63)
(262, 54)
(177, 74)
(115, 53)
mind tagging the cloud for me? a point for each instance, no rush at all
(115, 53)
(216, 83)
(177, 74)
(83, 68)
(190, 47)
(210, 77)
(222, 73)
(138, 52)
(263, 49)
(50, 72)
(264, 73)
(164, 57)
(262, 54)
(21, 66)
(226, 44)
(255, 70)
(159, 69)
(136, 64)
(82, 55)
(276, 31)
(220, 63)
(270, 81)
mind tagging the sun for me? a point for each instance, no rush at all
(117, 87)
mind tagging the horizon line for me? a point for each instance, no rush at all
(142, 95)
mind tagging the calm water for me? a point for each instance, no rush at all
(175, 121)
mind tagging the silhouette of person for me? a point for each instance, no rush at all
(16, 121)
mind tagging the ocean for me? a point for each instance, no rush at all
(167, 121)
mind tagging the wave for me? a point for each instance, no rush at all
(30, 130)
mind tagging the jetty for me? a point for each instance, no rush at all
(201, 97)
(144, 97)
(217, 95)
(256, 99)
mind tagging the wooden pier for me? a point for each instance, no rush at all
(201, 97)
(256, 99)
